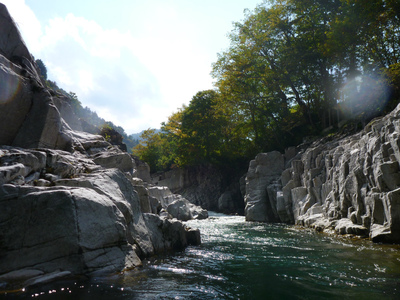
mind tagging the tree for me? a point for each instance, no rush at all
(149, 148)
(291, 69)
(42, 68)
(201, 129)
(171, 141)
(75, 103)
(289, 60)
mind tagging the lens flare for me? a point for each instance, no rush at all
(10, 84)
(363, 97)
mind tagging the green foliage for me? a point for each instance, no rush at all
(75, 103)
(111, 135)
(301, 53)
(149, 148)
(201, 127)
(393, 79)
(42, 68)
(294, 67)
(197, 134)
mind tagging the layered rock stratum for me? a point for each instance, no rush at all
(70, 202)
(350, 185)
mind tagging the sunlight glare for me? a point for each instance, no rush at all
(364, 96)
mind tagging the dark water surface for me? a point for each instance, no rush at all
(241, 260)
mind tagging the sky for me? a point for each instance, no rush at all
(134, 62)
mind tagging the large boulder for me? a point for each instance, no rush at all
(177, 206)
(87, 223)
(72, 229)
(179, 209)
(168, 234)
(142, 170)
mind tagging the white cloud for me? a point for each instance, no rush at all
(88, 34)
(134, 81)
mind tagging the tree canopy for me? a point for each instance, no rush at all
(293, 68)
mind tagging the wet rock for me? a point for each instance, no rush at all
(180, 209)
(193, 237)
(174, 234)
(41, 279)
(197, 212)
(176, 205)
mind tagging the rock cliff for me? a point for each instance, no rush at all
(350, 185)
(70, 202)
(205, 186)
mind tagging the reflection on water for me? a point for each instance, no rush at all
(241, 260)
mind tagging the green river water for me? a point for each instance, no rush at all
(243, 260)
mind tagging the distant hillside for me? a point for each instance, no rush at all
(91, 122)
(137, 136)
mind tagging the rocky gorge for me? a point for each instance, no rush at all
(349, 185)
(70, 202)
(345, 183)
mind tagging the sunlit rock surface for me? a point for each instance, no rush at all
(177, 206)
(350, 185)
(70, 202)
(262, 172)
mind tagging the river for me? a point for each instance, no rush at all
(242, 260)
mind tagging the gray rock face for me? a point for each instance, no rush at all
(350, 185)
(26, 107)
(180, 209)
(142, 170)
(231, 201)
(67, 113)
(71, 229)
(87, 219)
(262, 172)
(202, 186)
(206, 187)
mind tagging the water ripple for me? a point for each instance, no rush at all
(243, 260)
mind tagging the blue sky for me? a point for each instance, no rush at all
(134, 62)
